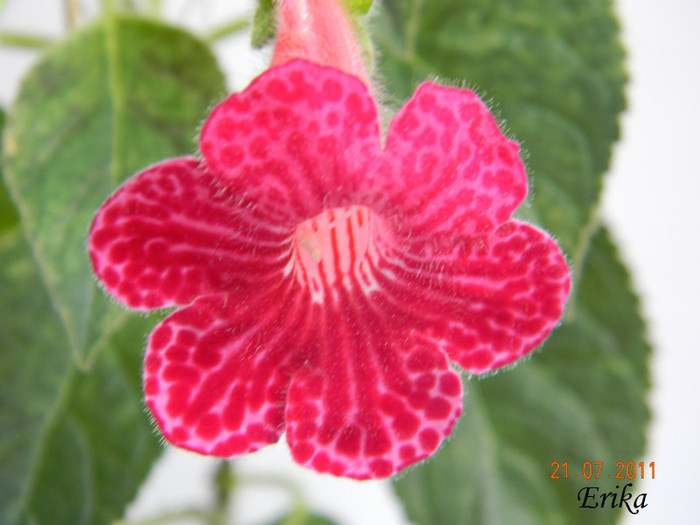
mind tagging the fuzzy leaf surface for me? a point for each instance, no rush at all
(74, 445)
(100, 106)
(8, 214)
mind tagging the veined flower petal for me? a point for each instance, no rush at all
(366, 397)
(217, 371)
(487, 302)
(327, 280)
(171, 234)
(373, 399)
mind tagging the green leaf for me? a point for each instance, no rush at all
(583, 399)
(264, 24)
(303, 518)
(357, 7)
(103, 105)
(8, 214)
(553, 69)
(32, 364)
(74, 446)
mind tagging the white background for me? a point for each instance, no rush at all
(651, 200)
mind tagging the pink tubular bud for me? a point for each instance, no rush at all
(318, 31)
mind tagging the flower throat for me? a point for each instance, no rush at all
(337, 245)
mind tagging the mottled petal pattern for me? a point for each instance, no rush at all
(217, 371)
(325, 282)
(172, 234)
(299, 139)
(449, 170)
(373, 399)
(486, 303)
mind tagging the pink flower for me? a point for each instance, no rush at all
(324, 280)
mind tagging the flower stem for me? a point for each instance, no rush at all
(226, 482)
(107, 7)
(228, 29)
(20, 40)
(224, 485)
(72, 13)
(203, 516)
(156, 7)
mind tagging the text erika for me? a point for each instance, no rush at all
(593, 498)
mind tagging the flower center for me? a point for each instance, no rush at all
(339, 245)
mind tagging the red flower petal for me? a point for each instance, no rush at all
(328, 280)
(217, 371)
(171, 234)
(368, 394)
(371, 401)
(487, 302)
(298, 138)
(448, 168)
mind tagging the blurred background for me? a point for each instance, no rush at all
(650, 202)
